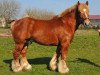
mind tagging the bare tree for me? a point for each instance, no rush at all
(39, 14)
(9, 9)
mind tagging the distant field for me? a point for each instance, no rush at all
(4, 30)
(83, 56)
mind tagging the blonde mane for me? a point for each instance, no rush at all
(68, 10)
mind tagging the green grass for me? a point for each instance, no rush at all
(83, 56)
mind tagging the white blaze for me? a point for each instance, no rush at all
(85, 12)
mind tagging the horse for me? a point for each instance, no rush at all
(58, 31)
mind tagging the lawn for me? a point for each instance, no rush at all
(83, 57)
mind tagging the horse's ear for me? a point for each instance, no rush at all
(78, 3)
(87, 2)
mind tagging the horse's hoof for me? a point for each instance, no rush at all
(53, 63)
(27, 67)
(16, 67)
(62, 68)
(53, 66)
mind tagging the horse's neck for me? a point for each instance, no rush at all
(70, 20)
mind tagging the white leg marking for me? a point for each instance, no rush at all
(53, 62)
(24, 64)
(62, 67)
(16, 66)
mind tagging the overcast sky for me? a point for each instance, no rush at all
(57, 6)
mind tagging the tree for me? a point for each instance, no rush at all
(9, 9)
(39, 14)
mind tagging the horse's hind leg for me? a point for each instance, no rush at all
(16, 67)
(23, 61)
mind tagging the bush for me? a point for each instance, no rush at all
(98, 26)
(39, 14)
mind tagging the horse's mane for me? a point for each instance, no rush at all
(68, 10)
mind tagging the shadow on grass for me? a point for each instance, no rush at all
(36, 61)
(81, 60)
(41, 60)
(8, 62)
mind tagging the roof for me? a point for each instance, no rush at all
(94, 16)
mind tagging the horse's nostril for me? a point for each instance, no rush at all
(85, 24)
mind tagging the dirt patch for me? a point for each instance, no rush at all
(5, 35)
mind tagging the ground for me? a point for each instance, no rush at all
(83, 56)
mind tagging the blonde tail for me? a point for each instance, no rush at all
(12, 25)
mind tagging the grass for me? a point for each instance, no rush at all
(83, 57)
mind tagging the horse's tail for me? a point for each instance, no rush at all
(12, 24)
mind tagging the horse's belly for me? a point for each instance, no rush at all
(46, 40)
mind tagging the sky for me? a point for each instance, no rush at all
(58, 6)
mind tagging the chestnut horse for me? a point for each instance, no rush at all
(58, 31)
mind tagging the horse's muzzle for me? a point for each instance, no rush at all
(86, 22)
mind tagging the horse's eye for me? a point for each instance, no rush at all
(81, 12)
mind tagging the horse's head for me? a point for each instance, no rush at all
(83, 11)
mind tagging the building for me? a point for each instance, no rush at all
(95, 20)
(2, 22)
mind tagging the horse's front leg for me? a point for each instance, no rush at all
(54, 60)
(62, 67)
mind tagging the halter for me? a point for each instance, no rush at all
(86, 18)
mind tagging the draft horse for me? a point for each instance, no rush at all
(58, 31)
